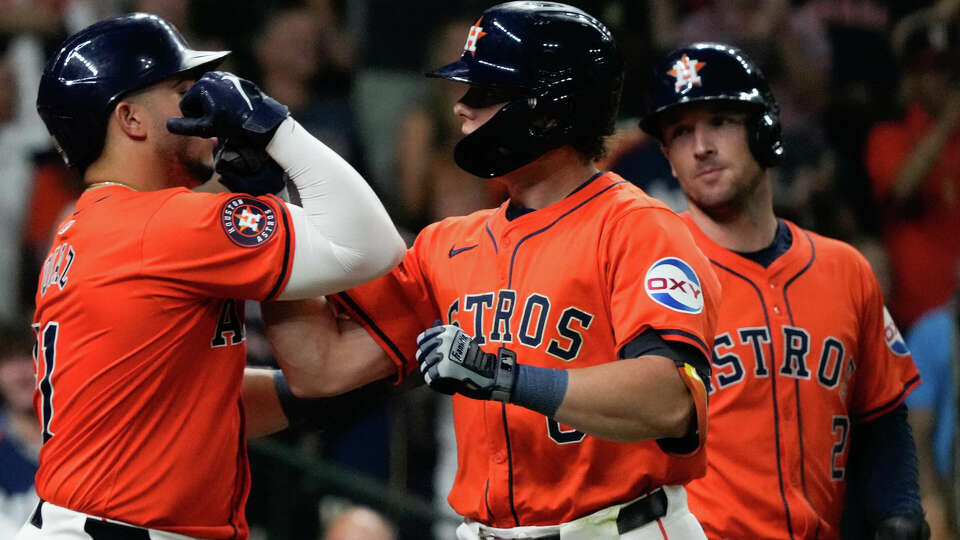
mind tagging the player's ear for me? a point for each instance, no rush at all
(130, 117)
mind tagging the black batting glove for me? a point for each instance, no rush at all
(451, 362)
(248, 170)
(223, 105)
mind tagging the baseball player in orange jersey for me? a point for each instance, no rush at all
(578, 315)
(139, 320)
(805, 353)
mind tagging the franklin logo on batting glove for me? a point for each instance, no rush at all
(453, 363)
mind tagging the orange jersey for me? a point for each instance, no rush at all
(804, 349)
(141, 351)
(566, 286)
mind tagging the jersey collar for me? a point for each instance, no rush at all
(798, 252)
(517, 216)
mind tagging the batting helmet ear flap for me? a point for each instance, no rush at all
(766, 144)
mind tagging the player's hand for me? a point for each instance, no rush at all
(451, 362)
(248, 170)
(223, 105)
(910, 527)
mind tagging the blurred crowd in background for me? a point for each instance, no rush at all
(869, 92)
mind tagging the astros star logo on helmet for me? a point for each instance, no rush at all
(685, 71)
(476, 32)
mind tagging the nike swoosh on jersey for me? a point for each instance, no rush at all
(454, 251)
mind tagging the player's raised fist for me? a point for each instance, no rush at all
(451, 362)
(223, 105)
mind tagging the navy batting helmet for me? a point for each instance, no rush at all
(98, 65)
(717, 72)
(559, 70)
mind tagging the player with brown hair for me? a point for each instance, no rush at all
(577, 316)
(807, 362)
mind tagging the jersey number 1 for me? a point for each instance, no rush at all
(46, 348)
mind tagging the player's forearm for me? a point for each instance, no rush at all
(344, 236)
(628, 400)
(264, 414)
(319, 354)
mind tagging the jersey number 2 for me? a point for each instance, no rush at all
(46, 349)
(841, 424)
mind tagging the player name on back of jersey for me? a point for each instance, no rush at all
(56, 267)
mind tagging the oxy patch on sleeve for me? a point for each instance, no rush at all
(891, 334)
(672, 283)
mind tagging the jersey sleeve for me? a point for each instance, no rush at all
(659, 280)
(395, 308)
(223, 245)
(884, 370)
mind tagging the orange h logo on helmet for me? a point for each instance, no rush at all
(476, 32)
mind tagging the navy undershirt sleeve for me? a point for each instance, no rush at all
(649, 342)
(882, 478)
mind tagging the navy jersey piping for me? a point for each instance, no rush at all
(492, 239)
(891, 403)
(813, 256)
(773, 382)
(506, 433)
(486, 502)
(286, 251)
(796, 383)
(513, 257)
(345, 298)
(552, 223)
